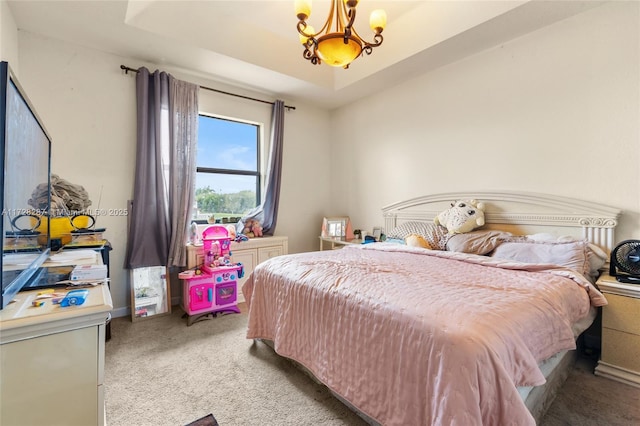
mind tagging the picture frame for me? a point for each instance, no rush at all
(337, 227)
(377, 233)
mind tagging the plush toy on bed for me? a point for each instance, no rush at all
(416, 240)
(463, 216)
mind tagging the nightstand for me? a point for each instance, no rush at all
(620, 357)
(336, 243)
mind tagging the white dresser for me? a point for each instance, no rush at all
(52, 361)
(250, 253)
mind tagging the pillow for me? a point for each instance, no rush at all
(403, 230)
(597, 258)
(595, 255)
(477, 242)
(571, 254)
(436, 236)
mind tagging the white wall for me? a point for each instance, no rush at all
(88, 107)
(8, 37)
(555, 111)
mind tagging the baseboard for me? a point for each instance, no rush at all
(121, 312)
(175, 302)
(618, 374)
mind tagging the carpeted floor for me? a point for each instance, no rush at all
(160, 372)
(589, 400)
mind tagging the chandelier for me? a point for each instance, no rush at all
(337, 43)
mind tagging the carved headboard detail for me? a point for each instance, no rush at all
(520, 213)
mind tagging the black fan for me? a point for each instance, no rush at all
(625, 262)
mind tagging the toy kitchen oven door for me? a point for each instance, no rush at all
(212, 288)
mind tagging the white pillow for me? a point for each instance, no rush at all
(579, 255)
(595, 255)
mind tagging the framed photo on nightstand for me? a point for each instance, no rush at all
(338, 227)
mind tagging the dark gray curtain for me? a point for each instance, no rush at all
(153, 227)
(267, 212)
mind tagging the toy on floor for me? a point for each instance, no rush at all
(213, 287)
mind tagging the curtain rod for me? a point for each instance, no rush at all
(127, 69)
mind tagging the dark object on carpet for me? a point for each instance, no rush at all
(207, 420)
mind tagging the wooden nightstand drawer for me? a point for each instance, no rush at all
(620, 356)
(621, 349)
(622, 313)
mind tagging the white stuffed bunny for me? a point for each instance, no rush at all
(463, 216)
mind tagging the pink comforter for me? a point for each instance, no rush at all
(418, 337)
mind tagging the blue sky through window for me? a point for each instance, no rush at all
(226, 144)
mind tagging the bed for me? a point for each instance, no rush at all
(406, 335)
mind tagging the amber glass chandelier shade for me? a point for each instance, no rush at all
(333, 51)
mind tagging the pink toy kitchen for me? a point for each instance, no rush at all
(212, 288)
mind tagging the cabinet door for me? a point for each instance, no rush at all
(265, 253)
(200, 296)
(51, 379)
(194, 256)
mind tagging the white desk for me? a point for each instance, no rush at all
(52, 361)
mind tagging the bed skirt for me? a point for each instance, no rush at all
(537, 399)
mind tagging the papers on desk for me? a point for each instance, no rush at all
(19, 259)
(74, 256)
(83, 283)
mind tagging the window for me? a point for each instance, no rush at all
(227, 169)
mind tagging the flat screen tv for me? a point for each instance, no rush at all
(25, 153)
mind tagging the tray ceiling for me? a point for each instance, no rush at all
(254, 44)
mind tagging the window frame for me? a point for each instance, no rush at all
(257, 173)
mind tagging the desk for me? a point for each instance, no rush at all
(336, 243)
(52, 361)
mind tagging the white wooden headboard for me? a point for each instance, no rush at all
(520, 213)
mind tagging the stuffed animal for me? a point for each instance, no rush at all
(257, 229)
(463, 216)
(231, 229)
(252, 228)
(415, 240)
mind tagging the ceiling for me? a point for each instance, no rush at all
(254, 44)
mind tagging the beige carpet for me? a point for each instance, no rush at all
(160, 372)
